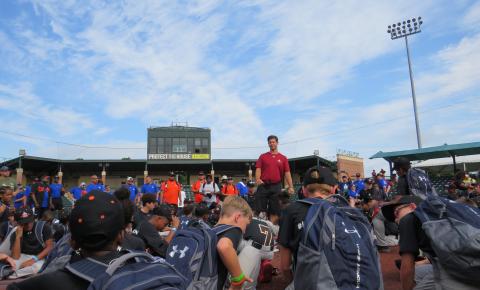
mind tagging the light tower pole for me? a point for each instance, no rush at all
(405, 29)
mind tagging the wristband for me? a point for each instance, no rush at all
(35, 258)
(240, 283)
(174, 229)
(238, 278)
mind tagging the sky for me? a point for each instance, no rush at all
(318, 74)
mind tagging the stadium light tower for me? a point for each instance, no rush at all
(405, 29)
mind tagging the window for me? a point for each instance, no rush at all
(205, 145)
(160, 145)
(179, 145)
(152, 146)
(168, 145)
(198, 145)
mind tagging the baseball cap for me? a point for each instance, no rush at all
(172, 173)
(319, 175)
(4, 168)
(163, 211)
(251, 184)
(224, 177)
(400, 162)
(129, 178)
(201, 173)
(388, 209)
(96, 220)
(24, 216)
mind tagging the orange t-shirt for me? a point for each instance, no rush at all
(230, 189)
(171, 192)
(196, 187)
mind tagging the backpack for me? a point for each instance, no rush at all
(337, 249)
(453, 229)
(142, 272)
(59, 256)
(193, 251)
(5, 270)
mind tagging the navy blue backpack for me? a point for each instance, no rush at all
(453, 229)
(133, 270)
(337, 249)
(193, 252)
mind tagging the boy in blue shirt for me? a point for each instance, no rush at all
(150, 188)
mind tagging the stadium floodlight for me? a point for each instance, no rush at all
(405, 29)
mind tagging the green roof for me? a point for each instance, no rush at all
(432, 152)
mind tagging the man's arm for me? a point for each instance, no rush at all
(288, 177)
(285, 263)
(229, 257)
(175, 224)
(407, 271)
(258, 174)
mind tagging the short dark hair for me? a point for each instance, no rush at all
(188, 209)
(201, 210)
(122, 193)
(272, 137)
(146, 198)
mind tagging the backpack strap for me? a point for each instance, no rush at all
(119, 262)
(87, 269)
(39, 232)
(220, 229)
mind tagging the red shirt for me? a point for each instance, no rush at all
(196, 187)
(171, 192)
(273, 167)
(230, 189)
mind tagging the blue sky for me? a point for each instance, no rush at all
(319, 74)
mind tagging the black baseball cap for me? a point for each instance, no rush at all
(201, 173)
(388, 210)
(24, 216)
(163, 211)
(400, 162)
(319, 175)
(96, 220)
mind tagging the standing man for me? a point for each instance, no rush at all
(150, 188)
(197, 187)
(171, 191)
(5, 178)
(41, 196)
(242, 188)
(134, 196)
(401, 165)
(271, 168)
(56, 193)
(94, 185)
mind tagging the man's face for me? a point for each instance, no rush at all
(148, 179)
(201, 177)
(230, 181)
(150, 205)
(160, 222)
(171, 177)
(344, 179)
(94, 179)
(130, 181)
(7, 196)
(272, 144)
(402, 210)
(5, 173)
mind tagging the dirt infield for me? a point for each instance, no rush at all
(391, 275)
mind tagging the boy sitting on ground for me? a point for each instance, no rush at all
(237, 213)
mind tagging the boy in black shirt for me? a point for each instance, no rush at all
(148, 230)
(29, 248)
(412, 240)
(237, 213)
(96, 228)
(317, 183)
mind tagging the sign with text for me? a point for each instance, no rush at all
(178, 156)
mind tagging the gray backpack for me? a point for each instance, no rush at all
(453, 229)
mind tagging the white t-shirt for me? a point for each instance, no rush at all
(183, 195)
(208, 188)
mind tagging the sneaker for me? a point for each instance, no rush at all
(266, 271)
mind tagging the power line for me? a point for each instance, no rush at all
(338, 132)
